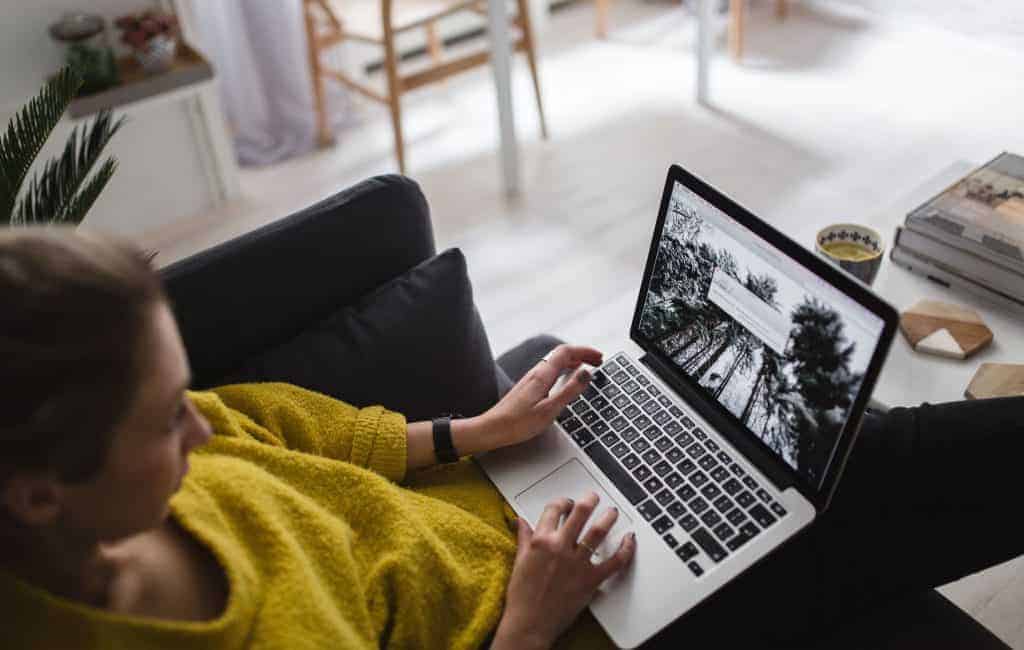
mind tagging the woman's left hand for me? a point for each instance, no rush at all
(528, 409)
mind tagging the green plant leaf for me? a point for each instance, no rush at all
(83, 200)
(27, 132)
(51, 195)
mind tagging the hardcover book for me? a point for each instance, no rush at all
(982, 213)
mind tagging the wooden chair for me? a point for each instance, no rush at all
(331, 22)
(737, 20)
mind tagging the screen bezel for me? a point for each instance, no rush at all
(847, 284)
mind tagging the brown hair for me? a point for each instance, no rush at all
(73, 308)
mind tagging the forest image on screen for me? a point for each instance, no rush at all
(782, 360)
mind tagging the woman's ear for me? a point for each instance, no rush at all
(33, 499)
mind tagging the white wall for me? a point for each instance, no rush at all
(162, 175)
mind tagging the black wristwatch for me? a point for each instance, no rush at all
(444, 448)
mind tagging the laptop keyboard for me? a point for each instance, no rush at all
(695, 496)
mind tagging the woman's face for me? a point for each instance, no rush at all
(148, 455)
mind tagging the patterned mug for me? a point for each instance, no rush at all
(855, 249)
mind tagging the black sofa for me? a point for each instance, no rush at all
(251, 294)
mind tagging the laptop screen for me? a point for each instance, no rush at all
(779, 348)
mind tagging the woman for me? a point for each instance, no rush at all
(290, 529)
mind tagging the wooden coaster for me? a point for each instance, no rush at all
(946, 330)
(996, 380)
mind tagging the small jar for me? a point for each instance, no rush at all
(87, 49)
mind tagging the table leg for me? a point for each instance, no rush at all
(705, 20)
(501, 65)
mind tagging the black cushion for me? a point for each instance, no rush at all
(415, 344)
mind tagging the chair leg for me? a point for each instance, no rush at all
(531, 59)
(394, 85)
(601, 22)
(325, 137)
(737, 9)
(434, 45)
(781, 9)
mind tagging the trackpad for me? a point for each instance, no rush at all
(574, 481)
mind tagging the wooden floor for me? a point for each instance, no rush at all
(835, 113)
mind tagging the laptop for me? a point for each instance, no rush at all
(722, 428)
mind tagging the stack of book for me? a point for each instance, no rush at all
(972, 234)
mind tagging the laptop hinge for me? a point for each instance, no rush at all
(773, 468)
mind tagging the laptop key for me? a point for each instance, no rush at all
(641, 397)
(720, 474)
(723, 458)
(619, 477)
(664, 443)
(732, 486)
(695, 569)
(707, 462)
(649, 509)
(662, 524)
(688, 523)
(611, 391)
(599, 403)
(684, 439)
(750, 482)
(643, 381)
(686, 466)
(661, 417)
(673, 428)
(686, 492)
(608, 412)
(589, 416)
(631, 461)
(631, 410)
(764, 496)
(723, 531)
(674, 455)
(723, 504)
(687, 552)
(664, 401)
(622, 401)
(676, 411)
(750, 529)
(640, 445)
(711, 445)
(736, 469)
(583, 437)
(662, 468)
(699, 505)
(620, 377)
(674, 480)
(642, 422)
(654, 390)
(620, 449)
(599, 378)
(696, 450)
(736, 516)
(676, 509)
(710, 491)
(632, 371)
(687, 422)
(738, 540)
(619, 423)
(651, 407)
(745, 499)
(709, 545)
(652, 485)
(572, 424)
(642, 472)
(630, 434)
(599, 428)
(651, 456)
(699, 479)
(631, 386)
(609, 439)
(697, 431)
(652, 432)
(711, 518)
(762, 516)
(590, 392)
(671, 540)
(778, 509)
(665, 497)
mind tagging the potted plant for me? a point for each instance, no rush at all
(62, 192)
(153, 37)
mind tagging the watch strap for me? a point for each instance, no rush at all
(444, 447)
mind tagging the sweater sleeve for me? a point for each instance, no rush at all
(302, 420)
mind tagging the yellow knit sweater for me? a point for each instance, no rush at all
(297, 497)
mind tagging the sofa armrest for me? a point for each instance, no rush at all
(263, 288)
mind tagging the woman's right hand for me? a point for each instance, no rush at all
(553, 578)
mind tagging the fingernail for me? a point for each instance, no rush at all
(585, 377)
(632, 537)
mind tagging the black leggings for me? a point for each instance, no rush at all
(929, 495)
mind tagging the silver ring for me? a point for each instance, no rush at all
(593, 551)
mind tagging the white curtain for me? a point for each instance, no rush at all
(258, 49)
